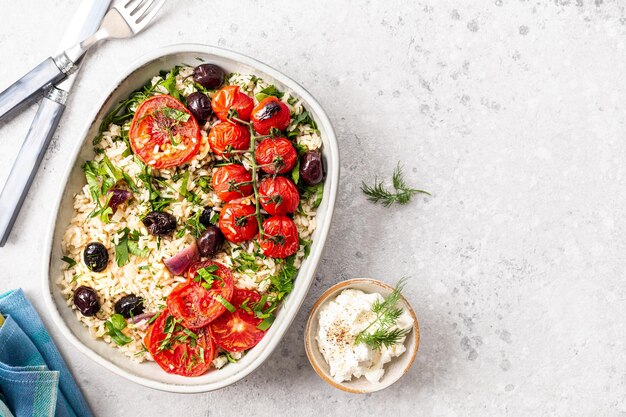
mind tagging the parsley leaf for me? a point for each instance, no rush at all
(266, 323)
(245, 262)
(295, 172)
(90, 168)
(121, 252)
(305, 119)
(157, 203)
(268, 91)
(225, 303)
(174, 114)
(114, 327)
(170, 83)
(193, 225)
(128, 244)
(307, 246)
(282, 283)
(188, 195)
(204, 183)
(206, 276)
(70, 262)
(101, 177)
(314, 190)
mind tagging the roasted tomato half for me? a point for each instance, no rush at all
(237, 222)
(225, 137)
(237, 331)
(232, 181)
(280, 237)
(179, 350)
(164, 133)
(278, 195)
(276, 155)
(270, 113)
(231, 97)
(199, 301)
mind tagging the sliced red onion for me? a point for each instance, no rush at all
(141, 317)
(178, 263)
(118, 196)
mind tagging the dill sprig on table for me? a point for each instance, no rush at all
(387, 313)
(402, 193)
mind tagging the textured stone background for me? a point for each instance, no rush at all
(510, 112)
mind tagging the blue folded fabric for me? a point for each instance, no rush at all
(34, 379)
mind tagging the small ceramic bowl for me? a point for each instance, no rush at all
(393, 370)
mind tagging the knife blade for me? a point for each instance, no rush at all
(86, 21)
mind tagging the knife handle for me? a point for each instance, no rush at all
(29, 158)
(49, 71)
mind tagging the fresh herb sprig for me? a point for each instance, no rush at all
(268, 91)
(234, 116)
(128, 243)
(387, 313)
(225, 303)
(401, 193)
(206, 277)
(193, 225)
(114, 327)
(69, 261)
(282, 283)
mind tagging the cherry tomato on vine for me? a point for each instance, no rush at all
(228, 136)
(232, 181)
(276, 155)
(163, 133)
(194, 303)
(278, 195)
(231, 97)
(270, 113)
(238, 222)
(280, 237)
(237, 331)
(175, 350)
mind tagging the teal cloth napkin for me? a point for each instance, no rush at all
(34, 379)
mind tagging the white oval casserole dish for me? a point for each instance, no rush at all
(148, 373)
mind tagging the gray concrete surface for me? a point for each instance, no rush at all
(510, 112)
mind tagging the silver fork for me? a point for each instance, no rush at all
(125, 19)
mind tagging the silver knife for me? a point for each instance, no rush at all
(86, 21)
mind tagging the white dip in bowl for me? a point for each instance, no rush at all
(340, 321)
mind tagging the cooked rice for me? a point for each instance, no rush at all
(148, 277)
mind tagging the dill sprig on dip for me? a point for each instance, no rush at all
(402, 193)
(387, 314)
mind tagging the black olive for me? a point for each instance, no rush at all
(208, 75)
(269, 110)
(129, 306)
(311, 168)
(117, 196)
(96, 256)
(159, 223)
(205, 216)
(86, 301)
(210, 241)
(200, 106)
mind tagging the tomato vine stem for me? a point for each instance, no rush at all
(255, 168)
(255, 185)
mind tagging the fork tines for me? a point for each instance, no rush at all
(138, 13)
